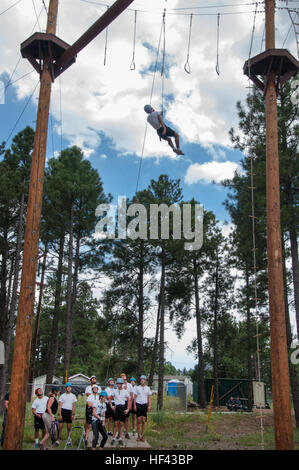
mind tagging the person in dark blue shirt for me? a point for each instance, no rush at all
(6, 400)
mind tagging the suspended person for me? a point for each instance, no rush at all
(92, 398)
(128, 403)
(109, 412)
(120, 396)
(66, 408)
(49, 418)
(98, 421)
(164, 132)
(142, 405)
(133, 412)
(38, 409)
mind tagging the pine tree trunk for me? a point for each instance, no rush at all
(249, 344)
(156, 344)
(215, 345)
(75, 286)
(14, 295)
(36, 326)
(53, 349)
(200, 367)
(68, 328)
(295, 269)
(293, 374)
(140, 350)
(162, 326)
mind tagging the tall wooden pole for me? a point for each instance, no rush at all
(22, 345)
(279, 355)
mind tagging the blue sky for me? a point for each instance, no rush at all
(102, 106)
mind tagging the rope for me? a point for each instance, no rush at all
(37, 18)
(26, 104)
(187, 64)
(106, 44)
(9, 8)
(150, 102)
(218, 31)
(163, 59)
(133, 66)
(251, 157)
(294, 27)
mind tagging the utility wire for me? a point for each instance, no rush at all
(24, 109)
(9, 8)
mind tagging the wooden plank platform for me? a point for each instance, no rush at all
(129, 444)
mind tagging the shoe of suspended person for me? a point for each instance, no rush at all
(127, 436)
(179, 152)
(110, 433)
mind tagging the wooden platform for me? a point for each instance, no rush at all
(129, 444)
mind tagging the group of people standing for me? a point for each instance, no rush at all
(112, 407)
(107, 411)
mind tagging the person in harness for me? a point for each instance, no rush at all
(164, 132)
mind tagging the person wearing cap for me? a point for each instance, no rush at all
(90, 403)
(120, 396)
(133, 412)
(66, 408)
(98, 421)
(38, 409)
(109, 412)
(142, 404)
(88, 410)
(127, 386)
(164, 132)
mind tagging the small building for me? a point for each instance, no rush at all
(167, 378)
(40, 382)
(79, 378)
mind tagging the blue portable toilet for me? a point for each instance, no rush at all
(172, 388)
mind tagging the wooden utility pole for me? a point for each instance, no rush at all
(279, 355)
(22, 345)
(50, 56)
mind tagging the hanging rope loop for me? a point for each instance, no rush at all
(163, 58)
(218, 31)
(133, 65)
(187, 64)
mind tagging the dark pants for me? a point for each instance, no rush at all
(98, 427)
(3, 426)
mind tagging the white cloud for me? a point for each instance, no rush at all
(110, 100)
(210, 171)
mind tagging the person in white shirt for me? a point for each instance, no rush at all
(109, 412)
(164, 132)
(66, 408)
(92, 397)
(127, 387)
(88, 410)
(142, 404)
(133, 412)
(98, 421)
(120, 397)
(38, 408)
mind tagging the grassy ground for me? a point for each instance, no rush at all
(173, 430)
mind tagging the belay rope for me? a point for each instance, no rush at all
(187, 64)
(253, 217)
(151, 94)
(218, 31)
(133, 66)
